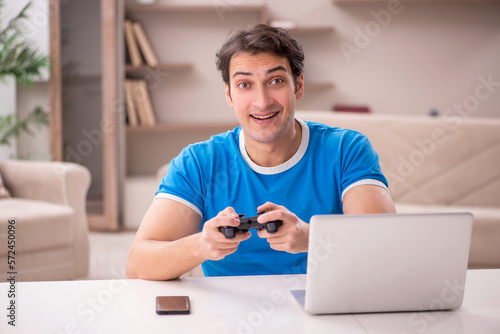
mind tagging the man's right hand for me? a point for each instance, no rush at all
(214, 245)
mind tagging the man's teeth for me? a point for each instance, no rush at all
(265, 117)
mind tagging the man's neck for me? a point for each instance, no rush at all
(276, 153)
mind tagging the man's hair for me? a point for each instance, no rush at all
(257, 39)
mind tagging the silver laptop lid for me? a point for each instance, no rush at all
(387, 262)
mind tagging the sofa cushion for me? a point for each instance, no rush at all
(42, 265)
(431, 160)
(38, 225)
(4, 193)
(485, 242)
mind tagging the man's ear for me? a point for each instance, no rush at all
(300, 86)
(228, 95)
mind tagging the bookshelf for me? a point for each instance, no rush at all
(140, 13)
(257, 12)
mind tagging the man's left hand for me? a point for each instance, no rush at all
(292, 236)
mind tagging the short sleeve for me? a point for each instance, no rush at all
(359, 161)
(183, 181)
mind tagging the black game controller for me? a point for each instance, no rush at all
(250, 223)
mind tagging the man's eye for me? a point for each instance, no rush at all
(243, 85)
(277, 81)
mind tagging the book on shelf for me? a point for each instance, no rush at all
(132, 116)
(131, 43)
(351, 108)
(138, 102)
(145, 45)
(145, 103)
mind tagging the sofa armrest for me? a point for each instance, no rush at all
(56, 182)
(43, 180)
(162, 171)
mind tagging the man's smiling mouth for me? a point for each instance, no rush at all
(265, 116)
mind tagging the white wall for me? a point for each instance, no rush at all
(8, 98)
(425, 55)
(36, 146)
(25, 98)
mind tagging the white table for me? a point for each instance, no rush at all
(257, 304)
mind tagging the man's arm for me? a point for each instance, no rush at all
(168, 243)
(366, 198)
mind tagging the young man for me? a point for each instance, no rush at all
(272, 163)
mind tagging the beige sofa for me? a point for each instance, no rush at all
(437, 164)
(47, 204)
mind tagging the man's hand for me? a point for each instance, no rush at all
(292, 235)
(214, 245)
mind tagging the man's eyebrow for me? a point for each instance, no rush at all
(241, 73)
(277, 68)
(271, 70)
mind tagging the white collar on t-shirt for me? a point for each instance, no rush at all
(284, 166)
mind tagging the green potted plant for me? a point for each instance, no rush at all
(24, 62)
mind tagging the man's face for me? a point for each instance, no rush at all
(262, 94)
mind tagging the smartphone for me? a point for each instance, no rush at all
(172, 305)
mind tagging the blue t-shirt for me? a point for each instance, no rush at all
(212, 175)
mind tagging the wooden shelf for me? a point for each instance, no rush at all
(310, 29)
(181, 127)
(218, 9)
(194, 8)
(144, 69)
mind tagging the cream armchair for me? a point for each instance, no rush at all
(47, 207)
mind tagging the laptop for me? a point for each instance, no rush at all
(386, 263)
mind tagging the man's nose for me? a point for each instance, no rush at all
(262, 98)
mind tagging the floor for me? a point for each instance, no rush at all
(108, 254)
